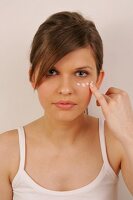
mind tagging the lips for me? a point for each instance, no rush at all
(65, 104)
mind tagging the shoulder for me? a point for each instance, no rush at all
(9, 150)
(8, 140)
(8, 134)
(114, 149)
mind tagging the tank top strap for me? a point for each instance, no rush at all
(103, 142)
(21, 147)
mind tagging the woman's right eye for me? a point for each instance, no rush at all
(51, 72)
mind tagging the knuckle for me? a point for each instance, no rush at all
(111, 88)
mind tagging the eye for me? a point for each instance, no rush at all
(51, 72)
(82, 73)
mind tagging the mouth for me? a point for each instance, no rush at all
(65, 105)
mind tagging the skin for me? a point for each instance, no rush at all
(54, 89)
(65, 138)
(118, 113)
(115, 105)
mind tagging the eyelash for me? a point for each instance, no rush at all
(83, 71)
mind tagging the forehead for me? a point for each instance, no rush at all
(78, 58)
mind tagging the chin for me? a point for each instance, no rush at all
(67, 116)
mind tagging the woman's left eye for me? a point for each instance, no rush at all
(82, 73)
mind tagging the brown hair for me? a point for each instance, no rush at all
(60, 34)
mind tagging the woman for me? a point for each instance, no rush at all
(67, 154)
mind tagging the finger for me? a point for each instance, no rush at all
(106, 97)
(113, 90)
(99, 97)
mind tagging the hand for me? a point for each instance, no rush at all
(117, 111)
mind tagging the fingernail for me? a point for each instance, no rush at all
(91, 84)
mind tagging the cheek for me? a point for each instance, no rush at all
(43, 94)
(85, 95)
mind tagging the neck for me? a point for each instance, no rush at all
(62, 133)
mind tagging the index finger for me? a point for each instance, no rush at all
(99, 97)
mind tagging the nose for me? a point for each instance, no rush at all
(65, 86)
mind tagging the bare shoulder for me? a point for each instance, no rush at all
(9, 151)
(8, 145)
(114, 148)
(8, 135)
(8, 140)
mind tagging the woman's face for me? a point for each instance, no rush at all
(66, 82)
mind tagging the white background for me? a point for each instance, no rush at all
(19, 21)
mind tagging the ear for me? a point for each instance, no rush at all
(33, 79)
(100, 78)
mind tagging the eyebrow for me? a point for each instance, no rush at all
(84, 67)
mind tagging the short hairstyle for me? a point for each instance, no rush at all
(60, 34)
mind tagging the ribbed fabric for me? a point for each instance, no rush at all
(103, 187)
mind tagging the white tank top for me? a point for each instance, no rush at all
(103, 187)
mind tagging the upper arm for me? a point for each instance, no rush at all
(127, 171)
(5, 185)
(119, 157)
(125, 166)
